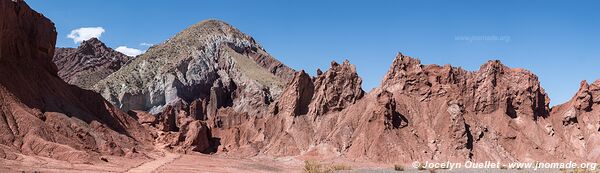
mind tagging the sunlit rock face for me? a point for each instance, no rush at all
(210, 61)
(42, 115)
(87, 64)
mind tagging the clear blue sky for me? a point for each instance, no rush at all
(557, 40)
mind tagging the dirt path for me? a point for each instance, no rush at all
(220, 164)
(155, 164)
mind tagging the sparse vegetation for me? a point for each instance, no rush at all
(253, 70)
(398, 167)
(503, 167)
(340, 167)
(311, 166)
(421, 166)
(576, 170)
(581, 170)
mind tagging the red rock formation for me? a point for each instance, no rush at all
(87, 64)
(144, 117)
(168, 119)
(427, 112)
(190, 136)
(386, 108)
(42, 115)
(577, 123)
(336, 89)
(450, 114)
(299, 115)
(288, 112)
(446, 113)
(196, 137)
(176, 129)
(198, 109)
(296, 97)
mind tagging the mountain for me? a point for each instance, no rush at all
(87, 64)
(210, 61)
(42, 115)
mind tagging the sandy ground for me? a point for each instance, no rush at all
(204, 163)
(155, 164)
(43, 164)
(160, 161)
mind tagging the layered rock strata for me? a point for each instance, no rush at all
(42, 115)
(87, 64)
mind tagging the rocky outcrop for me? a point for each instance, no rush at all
(192, 137)
(144, 117)
(302, 116)
(577, 123)
(487, 89)
(331, 91)
(198, 109)
(176, 130)
(336, 89)
(386, 108)
(296, 97)
(87, 64)
(196, 137)
(42, 115)
(479, 115)
(494, 91)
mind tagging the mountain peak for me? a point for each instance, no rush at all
(211, 27)
(88, 63)
(93, 41)
(401, 65)
(89, 47)
(212, 57)
(211, 22)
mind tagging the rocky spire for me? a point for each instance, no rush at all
(336, 89)
(583, 97)
(296, 97)
(401, 67)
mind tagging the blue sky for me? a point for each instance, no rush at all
(557, 40)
